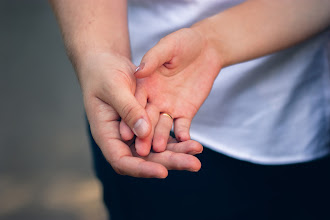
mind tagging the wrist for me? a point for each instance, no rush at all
(80, 51)
(91, 66)
(212, 41)
(86, 52)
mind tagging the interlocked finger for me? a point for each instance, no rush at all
(175, 161)
(188, 147)
(143, 146)
(125, 131)
(181, 129)
(162, 132)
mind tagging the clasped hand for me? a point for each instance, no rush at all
(124, 107)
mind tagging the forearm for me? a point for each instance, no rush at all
(260, 27)
(92, 26)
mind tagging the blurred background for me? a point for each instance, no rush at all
(45, 163)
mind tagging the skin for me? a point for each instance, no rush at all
(174, 77)
(178, 72)
(104, 122)
(178, 85)
(96, 38)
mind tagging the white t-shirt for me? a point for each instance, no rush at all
(270, 110)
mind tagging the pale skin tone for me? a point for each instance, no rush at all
(96, 37)
(177, 75)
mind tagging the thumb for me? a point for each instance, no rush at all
(132, 113)
(162, 53)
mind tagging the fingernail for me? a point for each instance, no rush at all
(194, 152)
(140, 128)
(193, 170)
(140, 67)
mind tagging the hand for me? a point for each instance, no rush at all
(109, 78)
(108, 87)
(123, 157)
(176, 77)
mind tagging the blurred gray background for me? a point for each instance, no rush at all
(45, 163)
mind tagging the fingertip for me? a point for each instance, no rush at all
(143, 152)
(181, 129)
(196, 165)
(142, 147)
(145, 72)
(125, 132)
(140, 67)
(197, 148)
(139, 71)
(163, 173)
(155, 170)
(159, 144)
(182, 136)
(141, 128)
(134, 114)
(201, 148)
(149, 63)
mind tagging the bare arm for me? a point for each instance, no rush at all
(260, 27)
(186, 62)
(91, 26)
(95, 33)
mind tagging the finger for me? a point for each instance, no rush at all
(119, 155)
(187, 147)
(181, 129)
(143, 146)
(160, 54)
(125, 131)
(137, 167)
(141, 97)
(162, 132)
(175, 161)
(141, 93)
(131, 112)
(105, 130)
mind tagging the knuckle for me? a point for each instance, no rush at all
(182, 136)
(130, 112)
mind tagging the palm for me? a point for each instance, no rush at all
(123, 157)
(178, 76)
(182, 94)
(109, 83)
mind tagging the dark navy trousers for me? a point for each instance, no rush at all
(224, 188)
